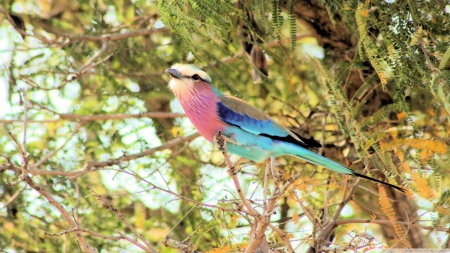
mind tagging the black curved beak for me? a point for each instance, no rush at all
(174, 73)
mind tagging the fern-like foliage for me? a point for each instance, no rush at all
(277, 19)
(362, 13)
(387, 208)
(292, 24)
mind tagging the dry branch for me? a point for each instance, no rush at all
(149, 247)
(106, 37)
(100, 164)
(96, 234)
(51, 154)
(262, 222)
(231, 170)
(24, 176)
(78, 117)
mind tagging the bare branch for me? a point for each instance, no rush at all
(154, 115)
(328, 229)
(284, 236)
(149, 247)
(100, 164)
(90, 63)
(69, 116)
(181, 196)
(13, 197)
(49, 155)
(221, 142)
(124, 158)
(257, 237)
(24, 140)
(107, 37)
(171, 243)
(55, 203)
(182, 218)
(63, 212)
(23, 148)
(265, 189)
(108, 237)
(258, 231)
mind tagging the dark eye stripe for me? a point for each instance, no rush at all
(199, 78)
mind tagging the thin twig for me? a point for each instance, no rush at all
(329, 227)
(109, 37)
(277, 179)
(13, 197)
(284, 236)
(265, 190)
(149, 247)
(99, 164)
(78, 117)
(22, 148)
(49, 155)
(182, 218)
(221, 142)
(181, 196)
(258, 231)
(305, 211)
(87, 167)
(96, 234)
(171, 243)
(25, 117)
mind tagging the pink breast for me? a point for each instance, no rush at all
(201, 108)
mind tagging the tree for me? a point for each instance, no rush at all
(97, 155)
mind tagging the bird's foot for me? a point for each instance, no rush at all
(221, 140)
(233, 171)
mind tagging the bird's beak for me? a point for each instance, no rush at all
(174, 73)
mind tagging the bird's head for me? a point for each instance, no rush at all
(184, 78)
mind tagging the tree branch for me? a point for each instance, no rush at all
(107, 237)
(69, 116)
(221, 141)
(100, 164)
(106, 37)
(149, 247)
(49, 155)
(46, 194)
(13, 197)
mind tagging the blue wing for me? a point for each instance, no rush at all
(250, 119)
(249, 124)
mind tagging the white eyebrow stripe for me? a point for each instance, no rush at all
(189, 70)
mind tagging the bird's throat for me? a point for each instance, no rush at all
(200, 106)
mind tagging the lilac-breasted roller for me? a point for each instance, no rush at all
(250, 132)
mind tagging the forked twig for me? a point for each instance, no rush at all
(262, 222)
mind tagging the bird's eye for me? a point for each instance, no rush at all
(196, 77)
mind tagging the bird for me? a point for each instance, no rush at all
(249, 131)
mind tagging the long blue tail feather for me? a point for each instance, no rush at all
(317, 159)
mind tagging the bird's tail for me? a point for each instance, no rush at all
(317, 159)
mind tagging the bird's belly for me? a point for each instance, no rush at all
(254, 153)
(251, 146)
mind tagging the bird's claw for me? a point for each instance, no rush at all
(232, 171)
(221, 140)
